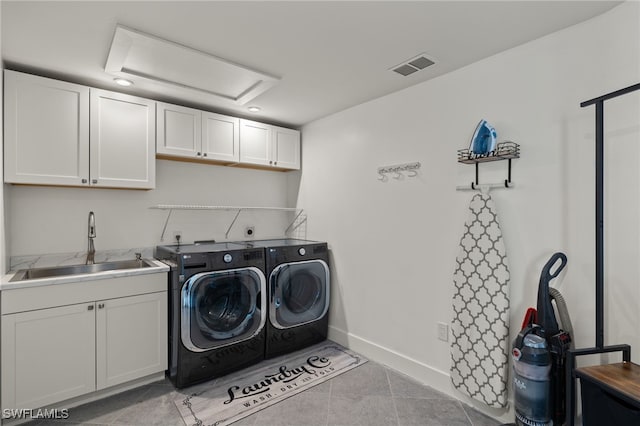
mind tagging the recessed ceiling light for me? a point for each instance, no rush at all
(254, 109)
(123, 81)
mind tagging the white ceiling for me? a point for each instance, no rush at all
(329, 55)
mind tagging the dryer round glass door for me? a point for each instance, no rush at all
(299, 293)
(222, 307)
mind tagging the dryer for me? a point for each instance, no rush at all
(298, 286)
(217, 309)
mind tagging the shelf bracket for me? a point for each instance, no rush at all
(293, 228)
(506, 182)
(166, 222)
(226, 234)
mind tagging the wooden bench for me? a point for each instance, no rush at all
(611, 392)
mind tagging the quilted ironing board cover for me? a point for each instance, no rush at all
(480, 326)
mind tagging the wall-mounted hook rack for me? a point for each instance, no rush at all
(239, 209)
(399, 170)
(485, 186)
(504, 151)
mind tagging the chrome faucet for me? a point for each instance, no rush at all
(91, 252)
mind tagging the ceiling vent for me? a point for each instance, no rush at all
(143, 56)
(413, 65)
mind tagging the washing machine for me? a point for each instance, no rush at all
(298, 287)
(217, 309)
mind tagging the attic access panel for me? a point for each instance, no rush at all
(141, 55)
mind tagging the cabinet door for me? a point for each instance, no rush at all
(179, 131)
(48, 355)
(286, 148)
(131, 338)
(123, 140)
(46, 125)
(255, 143)
(220, 137)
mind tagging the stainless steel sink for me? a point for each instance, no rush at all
(60, 271)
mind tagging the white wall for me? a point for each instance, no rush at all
(47, 220)
(394, 244)
(3, 251)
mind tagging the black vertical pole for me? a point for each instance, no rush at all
(477, 173)
(599, 348)
(600, 224)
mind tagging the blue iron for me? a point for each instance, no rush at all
(483, 140)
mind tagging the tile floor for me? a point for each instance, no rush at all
(369, 395)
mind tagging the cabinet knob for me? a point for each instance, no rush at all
(100, 305)
(204, 155)
(275, 162)
(270, 162)
(84, 181)
(94, 181)
(198, 154)
(90, 308)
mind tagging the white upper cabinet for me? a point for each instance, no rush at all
(65, 134)
(271, 146)
(46, 131)
(58, 133)
(255, 143)
(179, 131)
(286, 148)
(190, 134)
(123, 140)
(220, 137)
(193, 134)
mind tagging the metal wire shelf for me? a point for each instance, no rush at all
(239, 209)
(504, 151)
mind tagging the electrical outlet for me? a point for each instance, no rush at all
(443, 331)
(249, 231)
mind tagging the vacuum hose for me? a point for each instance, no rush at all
(563, 312)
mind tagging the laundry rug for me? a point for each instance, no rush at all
(258, 387)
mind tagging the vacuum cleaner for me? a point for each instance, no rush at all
(539, 355)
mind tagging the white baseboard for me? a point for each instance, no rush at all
(423, 373)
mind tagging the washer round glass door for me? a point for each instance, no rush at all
(299, 293)
(222, 307)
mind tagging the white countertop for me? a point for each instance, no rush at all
(7, 284)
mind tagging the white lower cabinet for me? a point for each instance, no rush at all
(53, 354)
(131, 338)
(48, 355)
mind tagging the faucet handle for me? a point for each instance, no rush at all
(138, 256)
